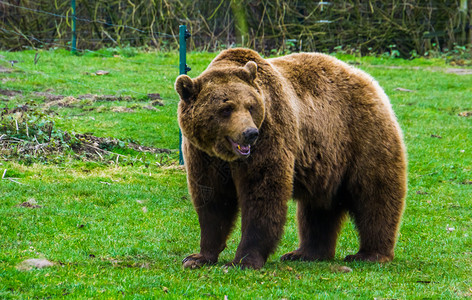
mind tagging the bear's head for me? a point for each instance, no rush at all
(222, 110)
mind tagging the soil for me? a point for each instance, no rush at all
(10, 93)
(5, 70)
(84, 146)
(107, 143)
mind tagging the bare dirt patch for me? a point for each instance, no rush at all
(459, 71)
(107, 143)
(5, 70)
(10, 93)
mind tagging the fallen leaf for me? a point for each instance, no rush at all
(436, 136)
(465, 114)
(145, 210)
(165, 289)
(450, 229)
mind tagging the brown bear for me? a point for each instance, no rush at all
(258, 132)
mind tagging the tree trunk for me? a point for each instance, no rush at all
(240, 22)
(469, 39)
(463, 22)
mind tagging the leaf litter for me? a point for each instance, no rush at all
(28, 129)
(31, 203)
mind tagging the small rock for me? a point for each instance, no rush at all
(102, 72)
(403, 90)
(34, 263)
(341, 269)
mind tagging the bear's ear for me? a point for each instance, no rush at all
(186, 88)
(251, 68)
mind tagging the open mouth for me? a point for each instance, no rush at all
(243, 150)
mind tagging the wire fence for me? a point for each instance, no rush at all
(27, 25)
(279, 26)
(36, 41)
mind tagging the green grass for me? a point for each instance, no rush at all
(121, 231)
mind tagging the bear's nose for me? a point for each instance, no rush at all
(250, 135)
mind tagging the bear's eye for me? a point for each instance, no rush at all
(226, 111)
(251, 109)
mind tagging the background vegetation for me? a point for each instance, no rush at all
(403, 27)
(119, 228)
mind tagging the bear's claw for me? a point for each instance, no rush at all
(372, 257)
(195, 261)
(302, 256)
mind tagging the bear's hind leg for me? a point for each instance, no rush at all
(377, 224)
(318, 231)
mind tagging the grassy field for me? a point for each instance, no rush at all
(120, 228)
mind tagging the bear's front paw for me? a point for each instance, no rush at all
(373, 257)
(247, 262)
(294, 255)
(195, 261)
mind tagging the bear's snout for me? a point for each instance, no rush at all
(250, 135)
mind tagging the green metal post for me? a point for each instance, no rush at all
(74, 33)
(183, 68)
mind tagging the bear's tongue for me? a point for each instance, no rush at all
(240, 149)
(243, 150)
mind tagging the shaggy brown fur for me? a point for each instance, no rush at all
(258, 132)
